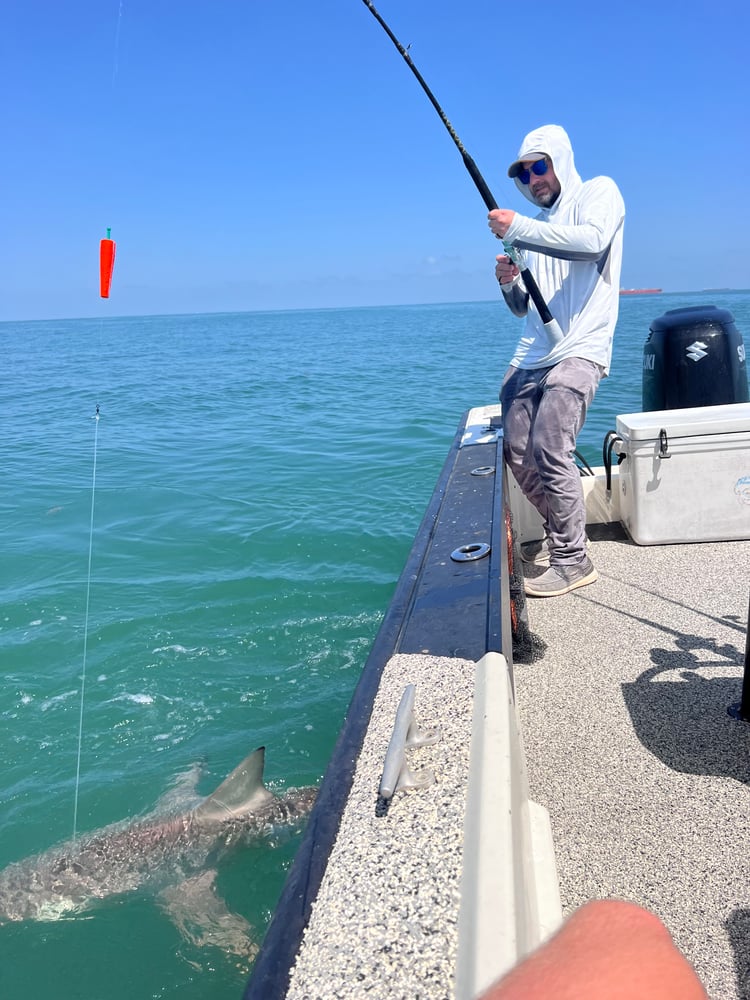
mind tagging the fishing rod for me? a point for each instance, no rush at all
(529, 281)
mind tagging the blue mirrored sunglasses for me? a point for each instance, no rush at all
(538, 167)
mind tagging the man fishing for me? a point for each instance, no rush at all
(574, 252)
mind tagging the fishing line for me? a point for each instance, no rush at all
(107, 250)
(516, 256)
(115, 66)
(86, 625)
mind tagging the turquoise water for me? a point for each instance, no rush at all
(256, 480)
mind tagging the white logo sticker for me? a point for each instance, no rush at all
(697, 350)
(742, 490)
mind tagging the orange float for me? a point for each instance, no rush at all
(106, 264)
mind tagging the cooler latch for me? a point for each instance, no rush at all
(663, 444)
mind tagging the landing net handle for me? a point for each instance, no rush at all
(481, 185)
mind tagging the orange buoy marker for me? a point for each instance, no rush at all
(106, 265)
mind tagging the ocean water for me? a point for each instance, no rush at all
(213, 556)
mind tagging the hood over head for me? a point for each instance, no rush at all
(551, 141)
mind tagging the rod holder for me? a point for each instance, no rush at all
(397, 775)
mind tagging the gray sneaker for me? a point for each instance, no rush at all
(559, 580)
(536, 552)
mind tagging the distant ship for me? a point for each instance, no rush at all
(640, 291)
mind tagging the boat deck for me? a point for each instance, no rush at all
(630, 747)
(385, 922)
(628, 744)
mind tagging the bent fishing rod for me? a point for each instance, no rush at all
(528, 278)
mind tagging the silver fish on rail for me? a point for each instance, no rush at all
(174, 856)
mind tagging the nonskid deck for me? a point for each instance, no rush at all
(630, 746)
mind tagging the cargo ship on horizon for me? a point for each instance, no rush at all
(640, 291)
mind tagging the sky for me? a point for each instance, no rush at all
(279, 154)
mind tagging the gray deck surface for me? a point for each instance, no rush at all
(385, 922)
(630, 747)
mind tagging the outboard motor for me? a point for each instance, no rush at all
(694, 356)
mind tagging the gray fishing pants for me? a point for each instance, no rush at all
(543, 413)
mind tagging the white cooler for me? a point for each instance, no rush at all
(686, 474)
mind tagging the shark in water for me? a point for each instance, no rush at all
(173, 855)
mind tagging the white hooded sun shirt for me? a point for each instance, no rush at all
(575, 254)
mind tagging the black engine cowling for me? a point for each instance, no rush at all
(694, 356)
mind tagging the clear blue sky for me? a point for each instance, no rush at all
(272, 154)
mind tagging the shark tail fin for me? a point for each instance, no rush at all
(241, 792)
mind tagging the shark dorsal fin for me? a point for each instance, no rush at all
(241, 793)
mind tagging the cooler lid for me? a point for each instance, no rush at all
(727, 418)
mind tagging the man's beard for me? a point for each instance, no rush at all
(547, 198)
